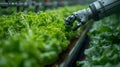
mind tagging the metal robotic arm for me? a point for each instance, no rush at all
(96, 11)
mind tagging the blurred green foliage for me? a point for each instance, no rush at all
(104, 50)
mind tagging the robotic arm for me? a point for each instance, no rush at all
(96, 11)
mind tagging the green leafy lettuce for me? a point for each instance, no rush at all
(104, 50)
(34, 39)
